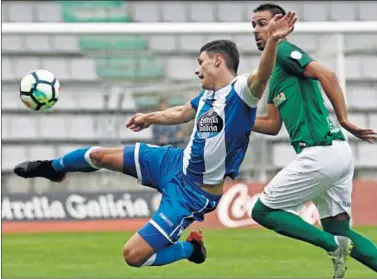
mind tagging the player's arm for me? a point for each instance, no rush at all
(171, 116)
(334, 92)
(279, 27)
(330, 85)
(269, 124)
(251, 86)
(257, 81)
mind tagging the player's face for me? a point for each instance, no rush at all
(207, 69)
(260, 22)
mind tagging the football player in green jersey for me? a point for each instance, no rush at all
(323, 169)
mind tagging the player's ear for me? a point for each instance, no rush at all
(217, 60)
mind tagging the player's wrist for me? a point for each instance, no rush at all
(274, 39)
(343, 121)
(148, 118)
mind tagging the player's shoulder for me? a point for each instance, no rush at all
(240, 81)
(242, 78)
(286, 44)
(286, 47)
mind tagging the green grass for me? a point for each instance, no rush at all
(231, 253)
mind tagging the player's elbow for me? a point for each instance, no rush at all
(329, 81)
(332, 75)
(275, 127)
(321, 73)
(183, 118)
(329, 77)
(180, 118)
(267, 126)
(274, 132)
(187, 115)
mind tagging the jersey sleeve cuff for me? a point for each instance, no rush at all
(243, 91)
(252, 101)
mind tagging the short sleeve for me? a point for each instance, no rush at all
(270, 98)
(243, 91)
(292, 59)
(195, 102)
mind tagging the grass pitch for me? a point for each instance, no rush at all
(231, 253)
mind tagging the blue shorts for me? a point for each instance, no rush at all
(182, 202)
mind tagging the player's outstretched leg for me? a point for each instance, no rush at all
(182, 203)
(364, 250)
(86, 159)
(291, 225)
(139, 253)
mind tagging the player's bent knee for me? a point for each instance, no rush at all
(259, 211)
(97, 155)
(137, 251)
(256, 215)
(133, 257)
(104, 157)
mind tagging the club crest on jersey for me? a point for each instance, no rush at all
(209, 124)
(279, 99)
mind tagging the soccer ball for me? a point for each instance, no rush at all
(39, 90)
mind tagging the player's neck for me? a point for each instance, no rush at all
(224, 81)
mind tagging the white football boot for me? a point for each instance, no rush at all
(339, 256)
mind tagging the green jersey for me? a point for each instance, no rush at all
(300, 101)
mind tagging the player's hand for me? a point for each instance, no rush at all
(138, 122)
(280, 26)
(367, 135)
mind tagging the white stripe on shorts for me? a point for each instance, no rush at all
(137, 163)
(154, 224)
(190, 216)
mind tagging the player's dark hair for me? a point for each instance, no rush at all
(273, 8)
(228, 49)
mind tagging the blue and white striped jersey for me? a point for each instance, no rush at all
(224, 119)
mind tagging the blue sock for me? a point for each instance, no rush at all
(73, 162)
(172, 253)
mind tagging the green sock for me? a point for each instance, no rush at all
(364, 250)
(293, 226)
